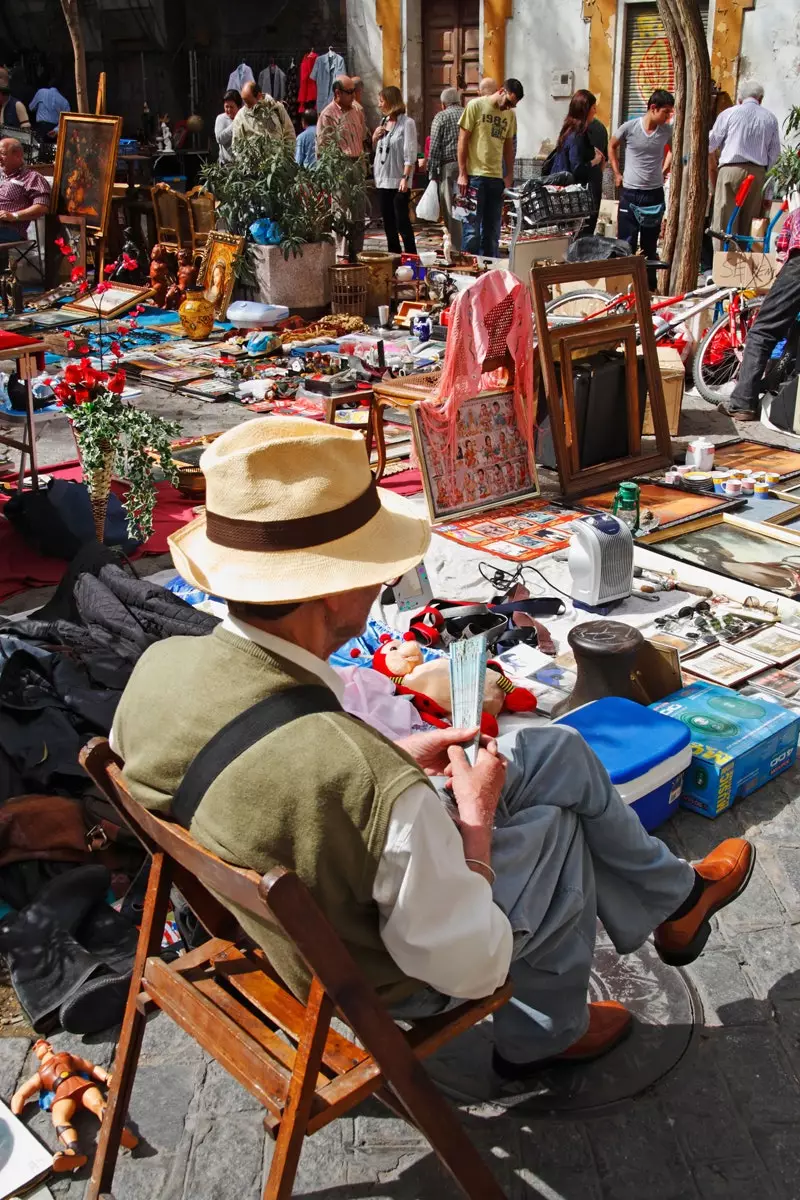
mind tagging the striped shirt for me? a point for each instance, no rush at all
(747, 133)
(20, 190)
(350, 127)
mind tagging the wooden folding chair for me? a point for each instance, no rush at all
(226, 996)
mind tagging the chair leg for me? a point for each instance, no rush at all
(133, 1026)
(432, 1115)
(289, 1143)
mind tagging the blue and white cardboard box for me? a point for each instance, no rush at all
(644, 753)
(739, 743)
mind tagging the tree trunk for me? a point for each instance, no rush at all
(667, 15)
(695, 181)
(73, 18)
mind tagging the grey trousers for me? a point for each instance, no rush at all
(566, 850)
(456, 228)
(729, 181)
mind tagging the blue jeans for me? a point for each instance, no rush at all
(482, 228)
(9, 233)
(566, 850)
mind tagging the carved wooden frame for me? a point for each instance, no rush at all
(596, 332)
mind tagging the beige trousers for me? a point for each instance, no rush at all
(728, 182)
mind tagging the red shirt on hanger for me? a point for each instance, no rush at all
(307, 93)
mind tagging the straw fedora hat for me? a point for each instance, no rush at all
(293, 513)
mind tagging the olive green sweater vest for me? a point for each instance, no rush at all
(314, 796)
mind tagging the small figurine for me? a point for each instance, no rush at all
(165, 135)
(159, 274)
(130, 266)
(66, 1083)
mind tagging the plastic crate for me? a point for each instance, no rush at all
(550, 204)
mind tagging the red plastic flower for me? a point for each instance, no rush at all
(73, 258)
(123, 328)
(116, 349)
(117, 382)
(137, 312)
(77, 273)
(102, 287)
(73, 373)
(109, 269)
(84, 287)
(62, 391)
(81, 395)
(129, 262)
(70, 345)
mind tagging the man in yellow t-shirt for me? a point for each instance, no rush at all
(486, 163)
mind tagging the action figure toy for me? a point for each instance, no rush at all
(65, 1083)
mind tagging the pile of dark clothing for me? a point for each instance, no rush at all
(62, 850)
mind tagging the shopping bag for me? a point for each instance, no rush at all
(428, 207)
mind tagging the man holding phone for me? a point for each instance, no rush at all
(488, 127)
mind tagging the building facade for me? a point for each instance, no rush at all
(617, 48)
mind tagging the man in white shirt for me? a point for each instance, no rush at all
(745, 140)
(434, 907)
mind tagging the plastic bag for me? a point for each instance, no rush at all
(428, 207)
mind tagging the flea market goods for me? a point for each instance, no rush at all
(197, 316)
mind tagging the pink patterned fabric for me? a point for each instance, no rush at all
(496, 304)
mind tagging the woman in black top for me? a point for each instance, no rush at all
(574, 151)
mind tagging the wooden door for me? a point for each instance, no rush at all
(451, 48)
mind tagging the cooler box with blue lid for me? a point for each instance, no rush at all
(644, 752)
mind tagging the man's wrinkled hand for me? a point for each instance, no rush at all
(430, 750)
(476, 789)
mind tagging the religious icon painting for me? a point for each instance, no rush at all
(217, 273)
(489, 465)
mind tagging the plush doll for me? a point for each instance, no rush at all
(66, 1083)
(428, 683)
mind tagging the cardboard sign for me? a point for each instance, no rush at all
(735, 268)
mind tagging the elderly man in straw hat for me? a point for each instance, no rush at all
(298, 539)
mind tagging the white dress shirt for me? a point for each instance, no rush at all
(746, 133)
(438, 920)
(396, 150)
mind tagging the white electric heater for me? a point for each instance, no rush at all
(600, 560)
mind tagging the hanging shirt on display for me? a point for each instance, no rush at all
(272, 82)
(307, 92)
(327, 68)
(238, 78)
(290, 102)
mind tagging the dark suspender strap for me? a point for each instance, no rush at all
(239, 735)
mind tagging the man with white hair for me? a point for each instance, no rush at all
(443, 158)
(745, 141)
(24, 193)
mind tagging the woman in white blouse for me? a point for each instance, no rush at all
(395, 142)
(223, 126)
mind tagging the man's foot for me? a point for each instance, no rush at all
(609, 1023)
(726, 873)
(740, 414)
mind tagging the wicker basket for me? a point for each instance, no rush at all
(349, 290)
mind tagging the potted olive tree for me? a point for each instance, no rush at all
(306, 207)
(786, 172)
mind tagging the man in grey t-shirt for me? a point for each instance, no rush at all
(648, 157)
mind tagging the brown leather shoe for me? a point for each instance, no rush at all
(609, 1023)
(727, 871)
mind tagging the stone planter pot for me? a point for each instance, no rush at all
(302, 283)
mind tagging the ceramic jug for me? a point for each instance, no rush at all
(197, 316)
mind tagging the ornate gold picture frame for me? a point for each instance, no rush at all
(217, 273)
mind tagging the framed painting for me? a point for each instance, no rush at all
(489, 465)
(726, 665)
(766, 556)
(745, 455)
(86, 162)
(217, 273)
(113, 300)
(672, 505)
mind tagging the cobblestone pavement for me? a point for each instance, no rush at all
(724, 1125)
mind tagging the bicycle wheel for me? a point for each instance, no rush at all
(579, 304)
(718, 361)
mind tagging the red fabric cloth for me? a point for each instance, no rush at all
(405, 483)
(478, 314)
(21, 567)
(307, 92)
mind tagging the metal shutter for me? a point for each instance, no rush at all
(648, 60)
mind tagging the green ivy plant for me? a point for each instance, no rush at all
(786, 172)
(308, 204)
(106, 425)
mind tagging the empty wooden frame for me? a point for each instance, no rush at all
(573, 341)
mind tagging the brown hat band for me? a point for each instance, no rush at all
(300, 533)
